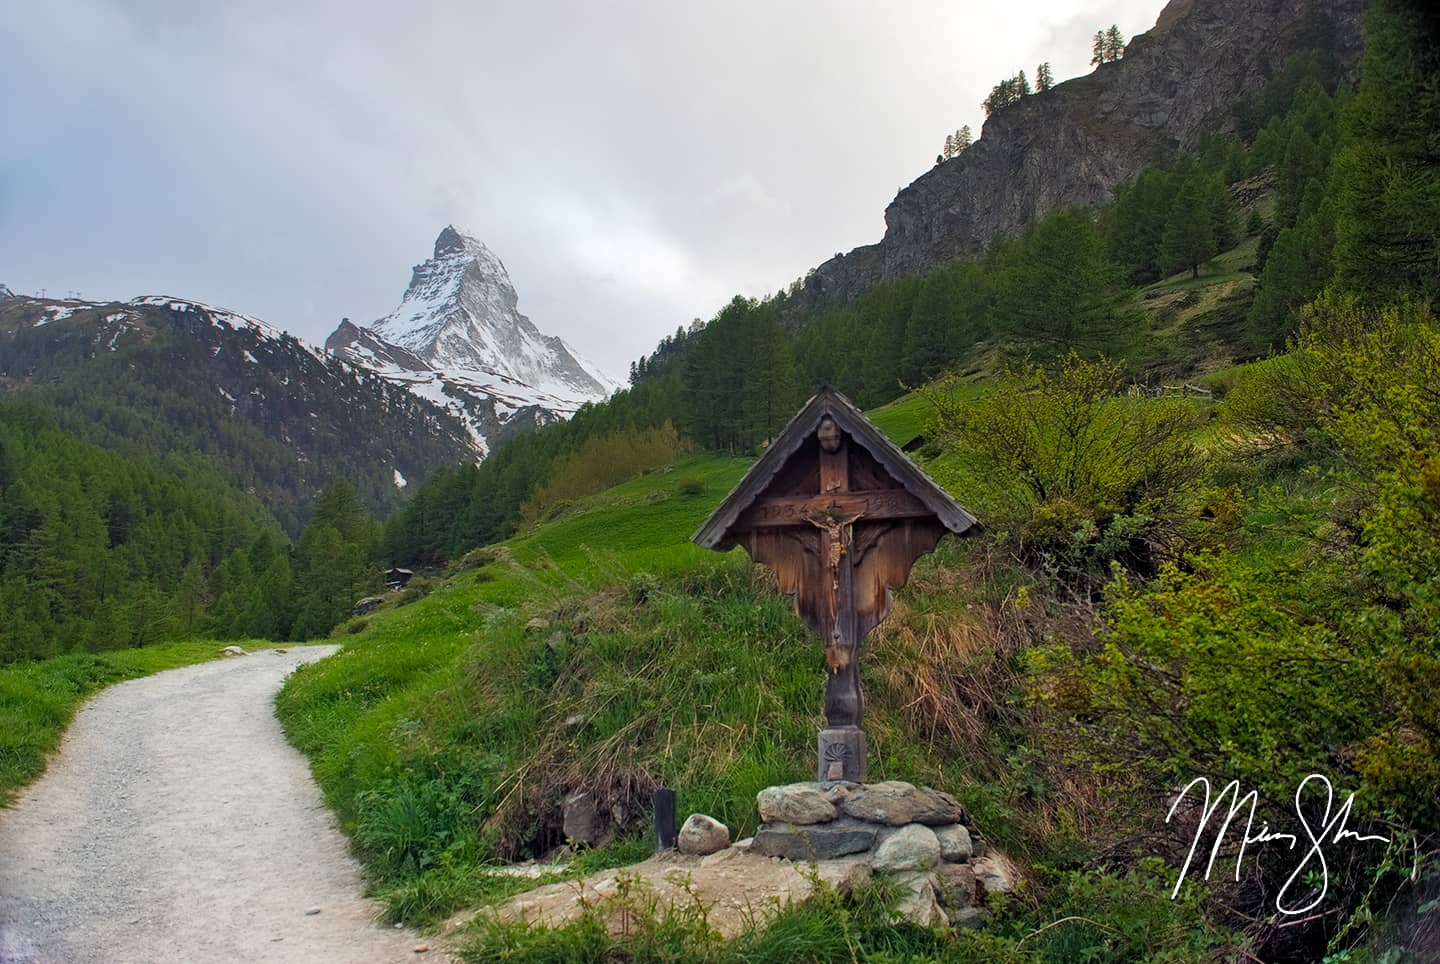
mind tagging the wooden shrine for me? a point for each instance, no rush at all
(840, 515)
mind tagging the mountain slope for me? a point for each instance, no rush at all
(1075, 143)
(163, 378)
(459, 340)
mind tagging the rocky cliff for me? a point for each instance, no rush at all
(1074, 144)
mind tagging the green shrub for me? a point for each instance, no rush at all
(1078, 472)
(691, 487)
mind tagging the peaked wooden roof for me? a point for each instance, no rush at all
(853, 422)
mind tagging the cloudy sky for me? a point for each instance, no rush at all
(633, 164)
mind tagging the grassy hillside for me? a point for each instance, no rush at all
(1164, 589)
(599, 651)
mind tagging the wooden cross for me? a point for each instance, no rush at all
(840, 515)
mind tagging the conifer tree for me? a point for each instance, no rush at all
(1044, 78)
(1022, 86)
(1189, 236)
(1097, 49)
(962, 138)
(1114, 43)
(1387, 230)
(949, 151)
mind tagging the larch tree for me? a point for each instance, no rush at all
(1044, 77)
(1097, 48)
(1114, 43)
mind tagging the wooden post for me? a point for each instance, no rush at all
(665, 826)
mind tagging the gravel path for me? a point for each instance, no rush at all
(177, 824)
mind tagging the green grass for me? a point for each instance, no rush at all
(904, 418)
(600, 650)
(38, 700)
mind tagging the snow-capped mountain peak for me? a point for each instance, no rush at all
(459, 340)
(461, 312)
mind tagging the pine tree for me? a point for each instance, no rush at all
(949, 151)
(1189, 236)
(962, 138)
(1056, 284)
(1044, 78)
(1387, 230)
(1114, 43)
(926, 331)
(1097, 49)
(1022, 86)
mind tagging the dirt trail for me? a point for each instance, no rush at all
(177, 824)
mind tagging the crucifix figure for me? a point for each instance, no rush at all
(840, 515)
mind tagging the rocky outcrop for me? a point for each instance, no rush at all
(1075, 143)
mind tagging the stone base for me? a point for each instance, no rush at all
(913, 834)
(841, 755)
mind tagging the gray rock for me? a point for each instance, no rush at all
(955, 843)
(967, 918)
(919, 901)
(584, 824)
(233, 651)
(957, 885)
(367, 605)
(913, 847)
(897, 803)
(814, 842)
(702, 835)
(994, 873)
(802, 803)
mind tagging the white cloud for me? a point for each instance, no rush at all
(633, 163)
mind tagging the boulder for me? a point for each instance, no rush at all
(822, 841)
(966, 918)
(897, 803)
(955, 843)
(802, 803)
(233, 651)
(702, 835)
(919, 902)
(957, 885)
(584, 824)
(367, 605)
(913, 847)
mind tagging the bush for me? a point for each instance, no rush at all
(691, 487)
(1077, 472)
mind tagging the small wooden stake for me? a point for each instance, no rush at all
(665, 826)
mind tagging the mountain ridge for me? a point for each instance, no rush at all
(1074, 144)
